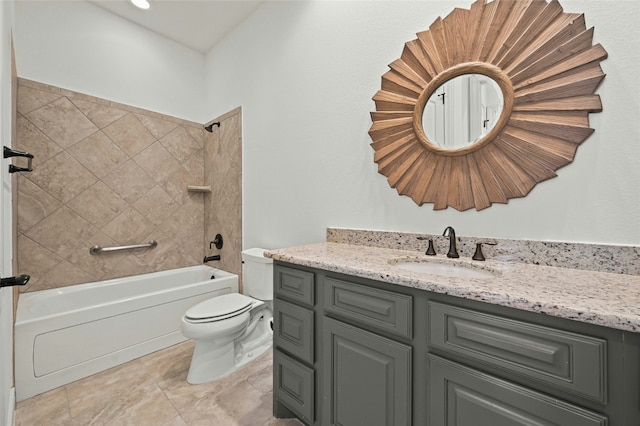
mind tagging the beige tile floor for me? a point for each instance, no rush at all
(153, 391)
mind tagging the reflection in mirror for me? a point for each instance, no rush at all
(462, 110)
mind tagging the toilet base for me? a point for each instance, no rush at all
(252, 349)
(212, 361)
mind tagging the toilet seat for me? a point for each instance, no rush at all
(219, 308)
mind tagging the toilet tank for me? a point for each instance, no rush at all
(257, 274)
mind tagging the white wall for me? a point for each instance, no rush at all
(79, 46)
(7, 394)
(305, 72)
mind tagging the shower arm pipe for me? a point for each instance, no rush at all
(209, 128)
(98, 250)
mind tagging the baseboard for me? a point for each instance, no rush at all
(9, 419)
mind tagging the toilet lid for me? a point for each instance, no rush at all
(220, 307)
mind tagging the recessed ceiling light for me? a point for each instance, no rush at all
(142, 4)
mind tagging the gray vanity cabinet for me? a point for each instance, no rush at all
(351, 351)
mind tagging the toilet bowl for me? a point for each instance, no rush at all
(233, 329)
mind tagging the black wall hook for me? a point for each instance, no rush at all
(8, 152)
(11, 281)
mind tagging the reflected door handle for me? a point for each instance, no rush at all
(11, 281)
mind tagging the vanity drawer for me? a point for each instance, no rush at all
(293, 330)
(294, 385)
(569, 361)
(380, 309)
(294, 284)
(466, 397)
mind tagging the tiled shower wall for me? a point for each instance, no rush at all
(223, 173)
(104, 174)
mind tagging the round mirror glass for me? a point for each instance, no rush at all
(462, 110)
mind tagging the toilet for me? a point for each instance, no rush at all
(233, 329)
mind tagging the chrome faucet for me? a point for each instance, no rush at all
(453, 251)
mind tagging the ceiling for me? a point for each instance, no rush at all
(197, 24)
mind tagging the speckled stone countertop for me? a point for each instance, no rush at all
(601, 298)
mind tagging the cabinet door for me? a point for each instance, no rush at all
(293, 330)
(294, 386)
(366, 379)
(462, 396)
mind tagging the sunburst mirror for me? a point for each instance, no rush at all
(542, 70)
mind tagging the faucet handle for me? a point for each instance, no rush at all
(478, 254)
(431, 251)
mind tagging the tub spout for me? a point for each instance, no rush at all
(210, 258)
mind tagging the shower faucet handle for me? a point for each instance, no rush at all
(217, 241)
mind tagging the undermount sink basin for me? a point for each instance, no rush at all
(445, 269)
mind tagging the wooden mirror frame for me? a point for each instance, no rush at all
(548, 70)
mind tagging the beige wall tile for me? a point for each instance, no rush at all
(61, 231)
(129, 181)
(156, 205)
(196, 132)
(64, 273)
(180, 144)
(35, 204)
(167, 255)
(157, 162)
(175, 184)
(30, 99)
(194, 205)
(223, 211)
(99, 205)
(32, 140)
(130, 227)
(130, 265)
(61, 121)
(157, 126)
(180, 223)
(98, 154)
(34, 260)
(100, 114)
(62, 177)
(130, 134)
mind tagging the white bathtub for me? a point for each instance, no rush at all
(65, 334)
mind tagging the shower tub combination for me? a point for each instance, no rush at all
(65, 334)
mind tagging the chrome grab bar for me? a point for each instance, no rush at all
(97, 249)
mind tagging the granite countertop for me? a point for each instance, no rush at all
(600, 298)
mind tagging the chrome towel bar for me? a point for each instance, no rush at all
(97, 249)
